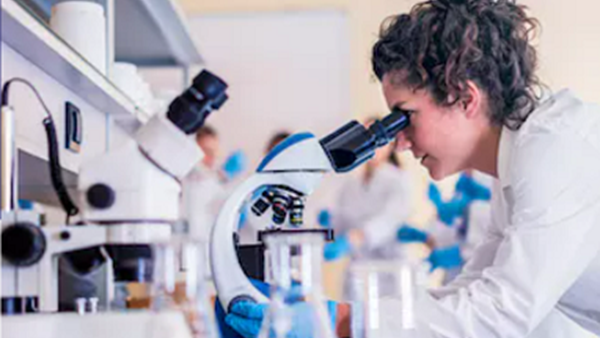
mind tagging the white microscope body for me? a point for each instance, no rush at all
(298, 162)
(135, 190)
(129, 198)
(297, 165)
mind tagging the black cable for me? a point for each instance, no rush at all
(55, 169)
(28, 84)
(53, 153)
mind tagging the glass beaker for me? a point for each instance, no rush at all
(382, 297)
(179, 283)
(294, 272)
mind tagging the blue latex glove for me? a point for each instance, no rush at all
(473, 189)
(445, 258)
(246, 318)
(220, 314)
(234, 164)
(337, 249)
(449, 211)
(324, 218)
(408, 234)
(434, 195)
(25, 205)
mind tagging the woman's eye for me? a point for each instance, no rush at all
(404, 111)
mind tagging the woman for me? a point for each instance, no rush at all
(465, 70)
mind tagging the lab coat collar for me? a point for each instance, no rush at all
(507, 139)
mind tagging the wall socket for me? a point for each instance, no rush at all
(73, 128)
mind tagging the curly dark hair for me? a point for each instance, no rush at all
(441, 44)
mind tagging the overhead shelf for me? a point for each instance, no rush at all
(153, 33)
(147, 32)
(36, 42)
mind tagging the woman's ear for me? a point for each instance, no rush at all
(471, 100)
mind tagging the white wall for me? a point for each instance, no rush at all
(569, 45)
(286, 70)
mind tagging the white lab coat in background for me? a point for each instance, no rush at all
(537, 272)
(203, 194)
(378, 207)
(479, 215)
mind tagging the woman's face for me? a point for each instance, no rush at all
(442, 138)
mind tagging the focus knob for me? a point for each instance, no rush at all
(101, 196)
(23, 244)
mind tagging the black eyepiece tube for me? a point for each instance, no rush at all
(189, 110)
(387, 129)
(353, 144)
(395, 122)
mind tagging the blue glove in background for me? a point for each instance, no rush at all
(220, 314)
(468, 186)
(409, 234)
(339, 248)
(434, 195)
(234, 164)
(445, 258)
(246, 318)
(449, 211)
(25, 204)
(324, 218)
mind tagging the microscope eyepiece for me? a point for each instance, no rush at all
(353, 144)
(189, 110)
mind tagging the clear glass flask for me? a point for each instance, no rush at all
(179, 284)
(294, 262)
(382, 297)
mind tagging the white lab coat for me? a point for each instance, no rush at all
(378, 207)
(203, 194)
(537, 272)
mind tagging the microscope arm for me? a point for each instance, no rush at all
(299, 162)
(232, 283)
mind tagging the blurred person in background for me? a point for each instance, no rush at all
(370, 205)
(458, 226)
(206, 187)
(276, 139)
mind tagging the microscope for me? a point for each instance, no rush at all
(285, 177)
(129, 199)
